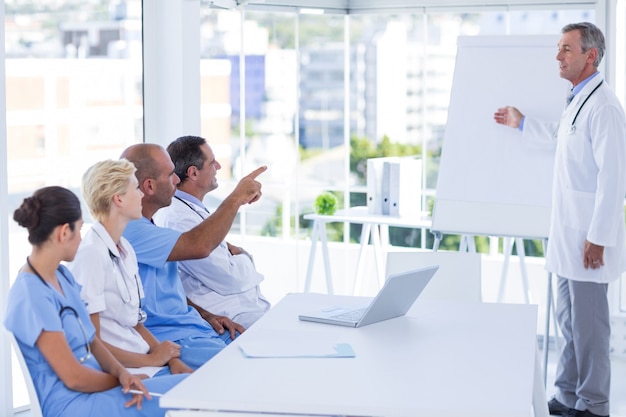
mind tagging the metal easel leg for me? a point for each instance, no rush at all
(550, 312)
(438, 236)
(507, 249)
(546, 337)
(521, 254)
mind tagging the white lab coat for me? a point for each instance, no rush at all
(589, 184)
(221, 283)
(110, 290)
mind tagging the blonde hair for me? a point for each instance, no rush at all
(104, 180)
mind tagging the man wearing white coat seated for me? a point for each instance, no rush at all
(225, 282)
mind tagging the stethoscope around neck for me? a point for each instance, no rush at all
(64, 309)
(141, 313)
(572, 127)
(119, 263)
(82, 328)
(191, 207)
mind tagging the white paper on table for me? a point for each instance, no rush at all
(295, 349)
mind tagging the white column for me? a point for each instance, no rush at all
(171, 69)
(6, 391)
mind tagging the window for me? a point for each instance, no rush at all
(73, 97)
(400, 70)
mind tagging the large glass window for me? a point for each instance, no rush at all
(249, 119)
(315, 95)
(399, 76)
(325, 64)
(73, 97)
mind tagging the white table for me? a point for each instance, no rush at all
(374, 225)
(442, 359)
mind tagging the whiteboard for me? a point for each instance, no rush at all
(491, 182)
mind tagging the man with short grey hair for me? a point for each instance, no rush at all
(586, 248)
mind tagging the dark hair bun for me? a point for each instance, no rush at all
(48, 208)
(27, 215)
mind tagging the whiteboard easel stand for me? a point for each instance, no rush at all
(507, 249)
(467, 243)
(437, 236)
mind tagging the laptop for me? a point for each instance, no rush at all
(394, 299)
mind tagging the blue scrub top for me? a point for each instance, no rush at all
(169, 315)
(34, 307)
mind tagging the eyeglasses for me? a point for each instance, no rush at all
(62, 312)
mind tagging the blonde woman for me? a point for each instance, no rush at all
(72, 370)
(106, 267)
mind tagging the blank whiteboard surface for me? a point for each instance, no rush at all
(490, 181)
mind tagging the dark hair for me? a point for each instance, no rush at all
(590, 37)
(185, 152)
(48, 208)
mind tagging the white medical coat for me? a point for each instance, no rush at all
(221, 283)
(111, 291)
(589, 184)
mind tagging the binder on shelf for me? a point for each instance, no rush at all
(394, 181)
(394, 186)
(385, 189)
(375, 185)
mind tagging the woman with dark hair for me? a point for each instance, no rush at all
(72, 370)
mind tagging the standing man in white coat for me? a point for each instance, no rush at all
(225, 282)
(586, 248)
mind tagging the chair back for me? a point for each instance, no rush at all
(35, 407)
(458, 277)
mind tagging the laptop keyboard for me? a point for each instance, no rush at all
(353, 315)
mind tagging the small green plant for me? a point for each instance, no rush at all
(325, 203)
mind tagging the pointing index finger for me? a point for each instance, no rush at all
(257, 172)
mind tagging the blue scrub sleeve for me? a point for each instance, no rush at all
(152, 244)
(31, 309)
